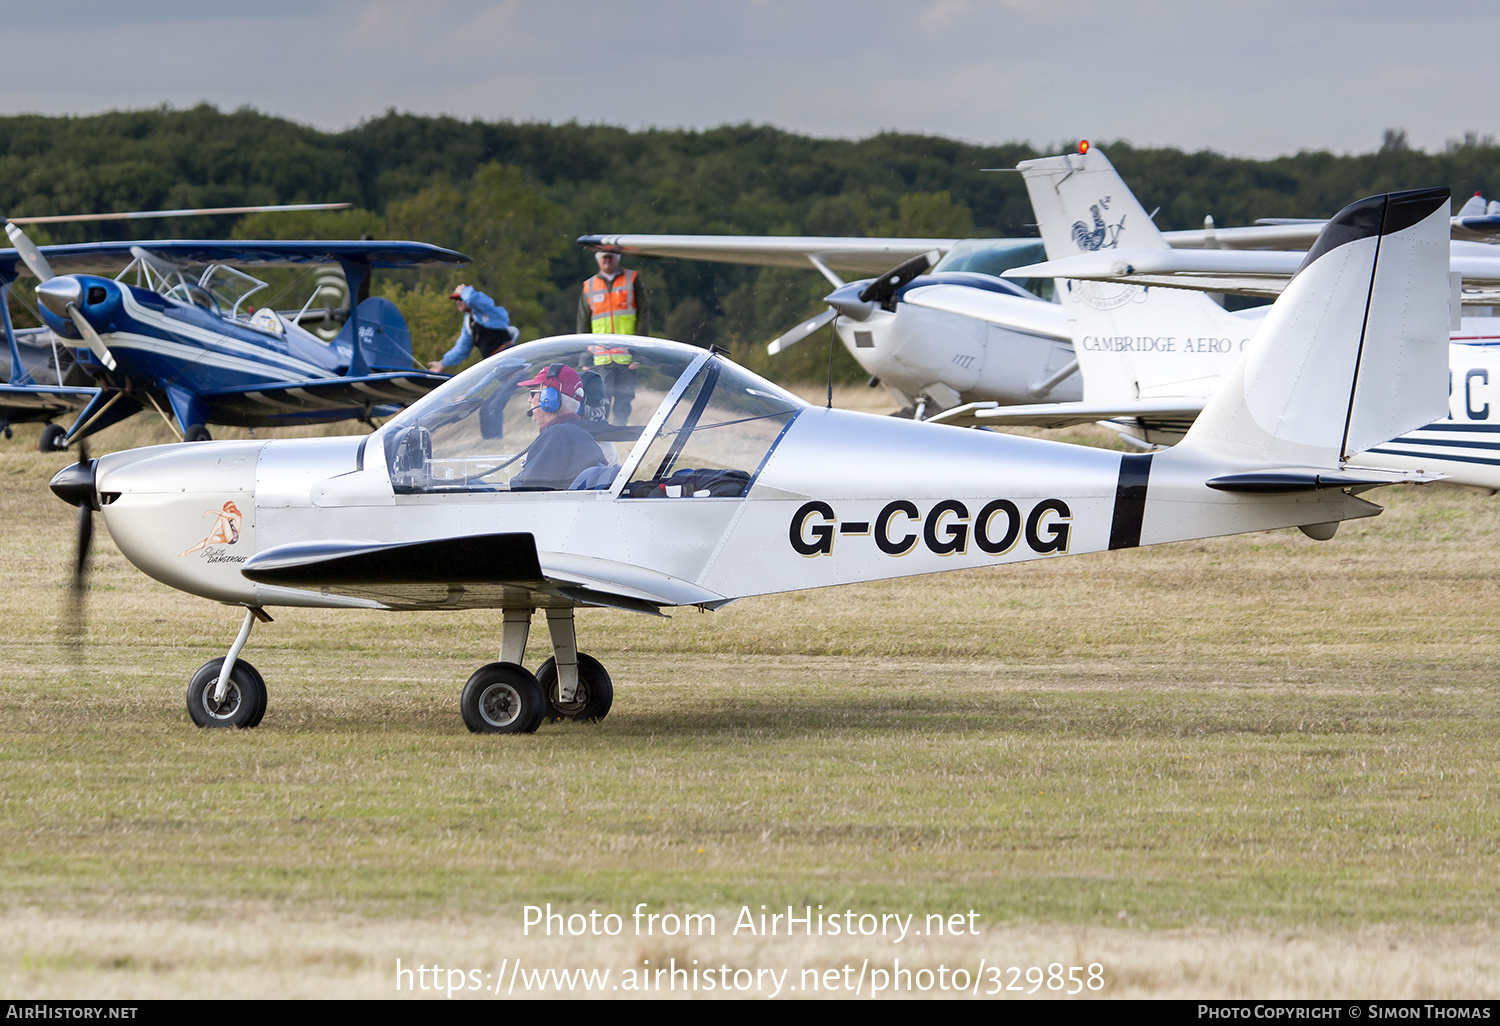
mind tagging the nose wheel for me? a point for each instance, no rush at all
(232, 695)
(242, 704)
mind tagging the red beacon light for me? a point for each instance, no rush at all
(1083, 145)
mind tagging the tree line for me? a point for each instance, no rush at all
(514, 196)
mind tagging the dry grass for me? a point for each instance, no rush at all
(1247, 766)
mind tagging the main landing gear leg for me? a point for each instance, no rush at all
(576, 686)
(229, 692)
(504, 697)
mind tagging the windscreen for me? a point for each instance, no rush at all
(554, 415)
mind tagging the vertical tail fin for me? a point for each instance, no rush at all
(1354, 352)
(1132, 342)
(384, 342)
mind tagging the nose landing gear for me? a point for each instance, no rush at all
(229, 692)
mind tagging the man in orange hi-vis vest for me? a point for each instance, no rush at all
(613, 302)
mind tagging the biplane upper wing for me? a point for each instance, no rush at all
(108, 257)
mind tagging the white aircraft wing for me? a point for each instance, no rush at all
(1241, 272)
(1297, 235)
(855, 255)
(1236, 272)
(1057, 415)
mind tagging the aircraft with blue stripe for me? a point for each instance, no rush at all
(177, 331)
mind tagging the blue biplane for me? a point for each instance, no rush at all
(177, 330)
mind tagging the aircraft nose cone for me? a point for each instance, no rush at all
(845, 299)
(56, 293)
(74, 484)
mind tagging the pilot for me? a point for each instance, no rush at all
(486, 325)
(614, 302)
(563, 448)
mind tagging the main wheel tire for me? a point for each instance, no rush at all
(197, 433)
(591, 702)
(51, 440)
(502, 698)
(244, 703)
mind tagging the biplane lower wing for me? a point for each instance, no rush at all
(39, 402)
(318, 399)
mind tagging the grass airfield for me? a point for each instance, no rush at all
(1252, 766)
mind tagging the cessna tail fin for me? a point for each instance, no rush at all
(1132, 342)
(1354, 352)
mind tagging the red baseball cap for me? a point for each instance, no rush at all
(567, 381)
(457, 293)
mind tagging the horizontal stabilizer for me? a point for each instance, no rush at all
(1307, 479)
(1056, 415)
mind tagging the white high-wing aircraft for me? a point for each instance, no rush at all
(1153, 355)
(941, 329)
(732, 487)
(938, 329)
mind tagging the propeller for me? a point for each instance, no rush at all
(28, 252)
(74, 484)
(883, 289)
(801, 331)
(61, 295)
(858, 302)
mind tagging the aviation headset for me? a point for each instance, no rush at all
(550, 399)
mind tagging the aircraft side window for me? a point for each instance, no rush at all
(715, 440)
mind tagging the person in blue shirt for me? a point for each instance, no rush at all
(486, 325)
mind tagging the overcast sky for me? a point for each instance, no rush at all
(1249, 78)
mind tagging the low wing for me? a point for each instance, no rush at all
(855, 255)
(1057, 415)
(474, 571)
(318, 398)
(49, 400)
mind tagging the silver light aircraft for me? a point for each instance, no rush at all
(727, 486)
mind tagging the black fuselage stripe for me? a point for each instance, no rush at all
(1130, 501)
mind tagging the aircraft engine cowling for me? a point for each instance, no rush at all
(194, 538)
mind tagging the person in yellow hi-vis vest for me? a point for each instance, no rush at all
(613, 302)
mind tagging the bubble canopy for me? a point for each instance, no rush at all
(634, 417)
